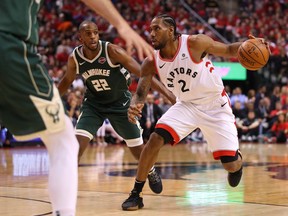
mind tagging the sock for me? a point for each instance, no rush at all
(138, 186)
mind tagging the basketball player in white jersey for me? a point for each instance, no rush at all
(183, 66)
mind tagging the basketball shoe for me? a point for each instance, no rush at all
(155, 182)
(134, 201)
(234, 178)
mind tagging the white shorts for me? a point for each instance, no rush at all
(215, 120)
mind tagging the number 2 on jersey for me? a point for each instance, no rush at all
(101, 85)
(183, 89)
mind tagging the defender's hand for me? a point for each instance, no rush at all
(134, 112)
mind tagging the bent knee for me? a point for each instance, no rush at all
(155, 140)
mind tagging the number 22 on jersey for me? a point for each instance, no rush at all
(100, 85)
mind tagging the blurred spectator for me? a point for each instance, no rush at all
(238, 112)
(263, 109)
(275, 97)
(248, 128)
(237, 95)
(279, 130)
(151, 112)
(273, 115)
(260, 94)
(251, 96)
(164, 104)
(73, 106)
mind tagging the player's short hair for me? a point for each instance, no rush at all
(84, 23)
(170, 21)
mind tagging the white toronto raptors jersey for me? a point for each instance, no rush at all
(196, 82)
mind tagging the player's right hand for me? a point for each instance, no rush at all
(135, 112)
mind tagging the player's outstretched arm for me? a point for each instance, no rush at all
(107, 10)
(118, 55)
(68, 77)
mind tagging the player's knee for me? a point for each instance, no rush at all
(154, 143)
(163, 135)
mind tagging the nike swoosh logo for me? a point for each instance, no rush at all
(81, 63)
(222, 105)
(161, 66)
(124, 104)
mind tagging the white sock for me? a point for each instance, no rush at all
(63, 150)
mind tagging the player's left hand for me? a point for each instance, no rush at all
(134, 112)
(250, 36)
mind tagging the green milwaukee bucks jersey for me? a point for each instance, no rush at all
(106, 83)
(19, 18)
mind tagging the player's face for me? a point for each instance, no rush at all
(89, 36)
(159, 33)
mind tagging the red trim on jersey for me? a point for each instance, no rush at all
(225, 94)
(171, 131)
(211, 69)
(218, 154)
(190, 53)
(178, 48)
(207, 63)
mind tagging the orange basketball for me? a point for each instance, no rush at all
(253, 54)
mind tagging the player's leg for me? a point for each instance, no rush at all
(162, 134)
(83, 141)
(233, 164)
(219, 129)
(131, 133)
(63, 172)
(30, 106)
(87, 126)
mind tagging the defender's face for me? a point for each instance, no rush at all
(159, 33)
(89, 36)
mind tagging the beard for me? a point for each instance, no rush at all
(158, 46)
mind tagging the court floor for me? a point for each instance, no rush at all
(194, 184)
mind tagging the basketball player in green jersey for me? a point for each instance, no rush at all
(103, 67)
(30, 105)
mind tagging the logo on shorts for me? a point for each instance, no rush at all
(124, 104)
(53, 111)
(222, 105)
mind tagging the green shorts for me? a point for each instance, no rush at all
(93, 115)
(29, 101)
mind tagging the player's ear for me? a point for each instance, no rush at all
(79, 37)
(171, 31)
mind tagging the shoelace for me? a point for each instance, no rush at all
(154, 177)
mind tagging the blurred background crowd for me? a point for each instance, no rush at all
(260, 103)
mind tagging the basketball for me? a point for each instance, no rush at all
(253, 54)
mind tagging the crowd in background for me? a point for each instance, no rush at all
(260, 111)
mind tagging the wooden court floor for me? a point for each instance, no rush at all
(194, 184)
